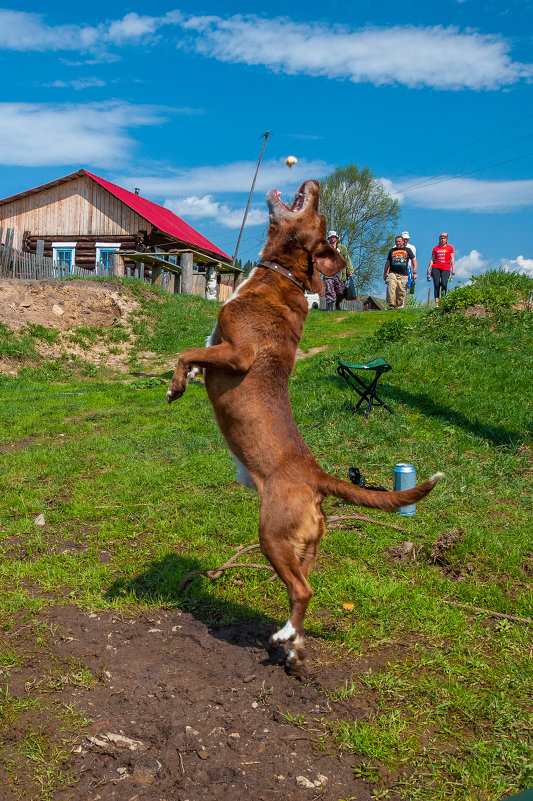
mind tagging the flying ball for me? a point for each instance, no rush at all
(290, 160)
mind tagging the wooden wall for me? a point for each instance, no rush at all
(85, 246)
(76, 208)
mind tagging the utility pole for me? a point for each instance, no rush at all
(266, 135)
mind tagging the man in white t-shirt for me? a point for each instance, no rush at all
(405, 237)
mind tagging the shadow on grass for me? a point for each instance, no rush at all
(226, 620)
(498, 435)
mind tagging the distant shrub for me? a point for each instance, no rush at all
(496, 290)
(517, 282)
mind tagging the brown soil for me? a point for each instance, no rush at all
(66, 306)
(303, 354)
(178, 710)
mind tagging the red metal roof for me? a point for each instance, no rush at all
(159, 216)
(162, 218)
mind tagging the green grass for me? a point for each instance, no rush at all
(113, 468)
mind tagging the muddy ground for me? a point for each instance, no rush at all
(179, 710)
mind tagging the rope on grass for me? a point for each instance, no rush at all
(356, 516)
(489, 612)
(215, 573)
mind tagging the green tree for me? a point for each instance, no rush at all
(365, 215)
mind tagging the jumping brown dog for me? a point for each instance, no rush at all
(247, 365)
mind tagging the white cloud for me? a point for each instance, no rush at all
(234, 177)
(475, 264)
(463, 194)
(20, 30)
(472, 264)
(518, 265)
(439, 57)
(32, 134)
(195, 208)
(81, 83)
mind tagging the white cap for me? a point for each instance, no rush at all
(332, 233)
(405, 234)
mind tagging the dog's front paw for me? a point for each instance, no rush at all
(178, 384)
(176, 390)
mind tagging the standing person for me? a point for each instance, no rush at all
(335, 285)
(442, 262)
(405, 237)
(410, 277)
(395, 273)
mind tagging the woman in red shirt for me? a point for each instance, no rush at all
(441, 263)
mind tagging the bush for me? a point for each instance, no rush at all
(394, 330)
(496, 290)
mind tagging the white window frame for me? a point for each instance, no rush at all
(64, 246)
(105, 246)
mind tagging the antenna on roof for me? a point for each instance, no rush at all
(136, 190)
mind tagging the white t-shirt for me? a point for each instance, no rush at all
(412, 247)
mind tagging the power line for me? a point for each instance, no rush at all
(469, 161)
(472, 172)
(469, 144)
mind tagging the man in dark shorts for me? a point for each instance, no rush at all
(441, 266)
(395, 273)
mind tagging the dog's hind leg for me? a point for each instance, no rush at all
(289, 533)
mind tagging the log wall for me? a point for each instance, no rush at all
(77, 208)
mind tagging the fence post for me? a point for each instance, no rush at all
(187, 273)
(6, 255)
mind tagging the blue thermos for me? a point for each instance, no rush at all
(405, 478)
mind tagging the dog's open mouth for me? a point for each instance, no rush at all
(278, 208)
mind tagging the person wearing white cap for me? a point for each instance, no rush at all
(335, 285)
(405, 237)
(410, 278)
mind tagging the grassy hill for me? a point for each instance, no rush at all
(446, 624)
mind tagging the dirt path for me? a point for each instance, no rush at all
(182, 712)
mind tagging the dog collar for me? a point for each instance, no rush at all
(279, 269)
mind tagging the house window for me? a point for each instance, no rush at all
(104, 250)
(64, 253)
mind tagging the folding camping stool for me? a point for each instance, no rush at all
(366, 391)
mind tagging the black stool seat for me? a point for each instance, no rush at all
(366, 391)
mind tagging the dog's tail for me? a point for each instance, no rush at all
(373, 499)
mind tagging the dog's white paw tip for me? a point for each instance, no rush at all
(285, 634)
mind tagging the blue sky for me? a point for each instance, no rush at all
(435, 98)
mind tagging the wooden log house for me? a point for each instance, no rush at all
(82, 219)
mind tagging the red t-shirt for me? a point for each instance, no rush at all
(441, 256)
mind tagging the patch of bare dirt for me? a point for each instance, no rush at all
(181, 711)
(440, 553)
(303, 354)
(477, 310)
(66, 306)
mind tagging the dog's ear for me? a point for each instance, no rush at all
(327, 260)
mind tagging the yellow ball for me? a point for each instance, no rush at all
(290, 160)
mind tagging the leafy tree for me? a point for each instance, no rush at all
(248, 267)
(365, 216)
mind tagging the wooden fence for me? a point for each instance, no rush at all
(16, 264)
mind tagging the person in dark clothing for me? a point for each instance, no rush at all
(395, 273)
